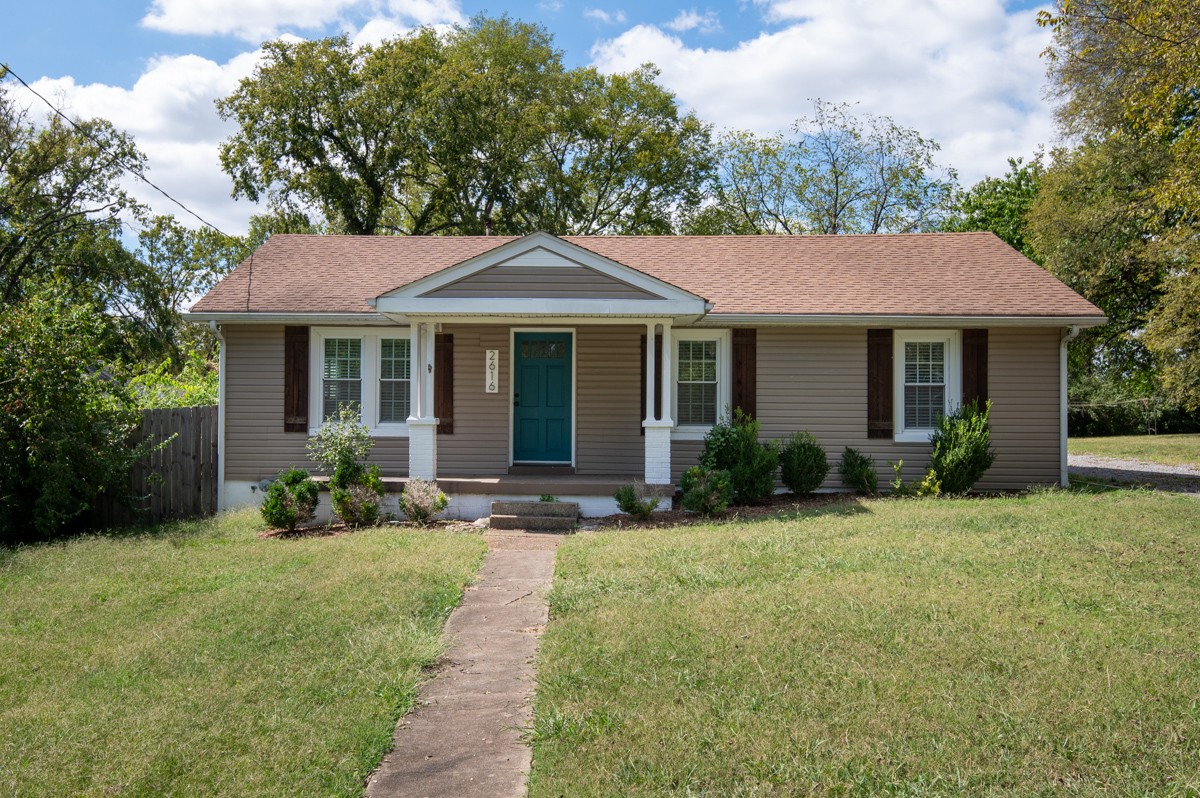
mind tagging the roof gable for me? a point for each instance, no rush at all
(543, 274)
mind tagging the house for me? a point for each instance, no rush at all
(520, 366)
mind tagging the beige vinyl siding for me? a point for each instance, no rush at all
(256, 447)
(539, 275)
(815, 379)
(479, 444)
(608, 401)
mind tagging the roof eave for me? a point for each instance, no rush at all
(895, 320)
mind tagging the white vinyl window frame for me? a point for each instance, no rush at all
(951, 371)
(370, 372)
(724, 340)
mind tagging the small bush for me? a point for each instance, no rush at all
(858, 471)
(548, 498)
(291, 500)
(930, 485)
(802, 463)
(706, 491)
(357, 503)
(962, 448)
(422, 500)
(899, 489)
(732, 445)
(636, 500)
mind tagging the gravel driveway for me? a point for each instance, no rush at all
(1181, 479)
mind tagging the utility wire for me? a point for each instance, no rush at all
(133, 169)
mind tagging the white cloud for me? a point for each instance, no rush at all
(967, 74)
(708, 22)
(256, 20)
(605, 17)
(170, 114)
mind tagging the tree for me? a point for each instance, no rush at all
(1128, 77)
(480, 130)
(1001, 205)
(65, 419)
(836, 174)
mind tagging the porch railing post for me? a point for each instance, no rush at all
(658, 424)
(422, 426)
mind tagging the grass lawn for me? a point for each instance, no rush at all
(199, 660)
(1042, 645)
(1169, 449)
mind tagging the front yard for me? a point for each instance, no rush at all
(202, 660)
(1043, 645)
(1168, 449)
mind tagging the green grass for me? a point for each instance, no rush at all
(1169, 449)
(199, 660)
(1042, 645)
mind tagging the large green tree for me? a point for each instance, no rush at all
(1001, 205)
(835, 173)
(479, 129)
(1128, 77)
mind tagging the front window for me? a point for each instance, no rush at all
(341, 376)
(697, 385)
(394, 373)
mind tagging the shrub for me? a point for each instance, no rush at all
(357, 503)
(706, 491)
(422, 500)
(899, 489)
(291, 500)
(339, 448)
(636, 500)
(962, 448)
(930, 485)
(732, 445)
(858, 471)
(802, 463)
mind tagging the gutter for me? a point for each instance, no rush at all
(1068, 336)
(287, 318)
(901, 321)
(212, 325)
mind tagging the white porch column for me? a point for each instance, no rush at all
(658, 429)
(422, 426)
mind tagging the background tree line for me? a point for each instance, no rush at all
(484, 130)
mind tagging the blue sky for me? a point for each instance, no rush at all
(966, 72)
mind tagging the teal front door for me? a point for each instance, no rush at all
(542, 397)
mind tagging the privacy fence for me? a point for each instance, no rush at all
(178, 480)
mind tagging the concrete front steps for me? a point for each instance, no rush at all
(535, 516)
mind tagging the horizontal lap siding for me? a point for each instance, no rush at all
(608, 400)
(479, 444)
(256, 447)
(815, 380)
(529, 281)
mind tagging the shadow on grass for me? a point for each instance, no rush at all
(180, 532)
(796, 510)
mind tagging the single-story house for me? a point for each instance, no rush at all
(513, 367)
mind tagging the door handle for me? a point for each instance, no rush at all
(516, 398)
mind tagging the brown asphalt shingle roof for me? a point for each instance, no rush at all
(928, 274)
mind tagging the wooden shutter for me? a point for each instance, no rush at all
(443, 385)
(975, 366)
(658, 372)
(745, 371)
(295, 379)
(879, 384)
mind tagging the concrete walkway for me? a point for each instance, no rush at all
(464, 738)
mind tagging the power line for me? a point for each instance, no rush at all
(133, 169)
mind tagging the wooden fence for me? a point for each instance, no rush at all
(178, 480)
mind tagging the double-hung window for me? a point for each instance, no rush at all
(702, 380)
(367, 369)
(928, 381)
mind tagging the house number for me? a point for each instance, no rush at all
(491, 367)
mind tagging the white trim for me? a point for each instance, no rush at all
(911, 322)
(289, 318)
(222, 498)
(952, 372)
(524, 306)
(1064, 475)
(512, 387)
(369, 374)
(556, 246)
(724, 339)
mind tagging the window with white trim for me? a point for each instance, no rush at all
(701, 379)
(369, 369)
(928, 380)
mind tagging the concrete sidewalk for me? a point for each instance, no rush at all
(464, 738)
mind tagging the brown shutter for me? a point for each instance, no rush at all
(658, 372)
(975, 366)
(443, 384)
(745, 371)
(879, 383)
(295, 379)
